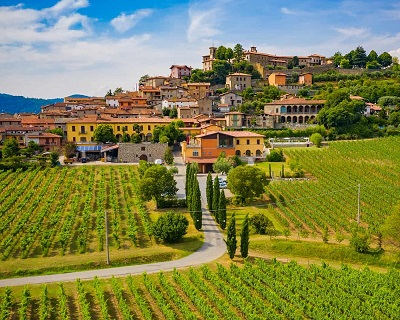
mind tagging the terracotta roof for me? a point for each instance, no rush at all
(234, 112)
(43, 135)
(198, 84)
(103, 119)
(278, 74)
(180, 66)
(10, 119)
(235, 134)
(36, 120)
(20, 128)
(292, 101)
(356, 98)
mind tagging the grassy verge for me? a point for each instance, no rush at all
(339, 253)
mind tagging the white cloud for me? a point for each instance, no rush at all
(66, 6)
(204, 23)
(395, 53)
(352, 32)
(124, 22)
(292, 12)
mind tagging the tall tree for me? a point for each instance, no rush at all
(10, 148)
(247, 182)
(168, 156)
(216, 192)
(104, 133)
(372, 56)
(391, 228)
(245, 237)
(238, 52)
(209, 191)
(222, 210)
(196, 204)
(231, 242)
(359, 57)
(385, 59)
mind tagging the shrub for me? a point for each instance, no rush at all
(170, 227)
(360, 242)
(261, 224)
(276, 155)
(316, 138)
(163, 203)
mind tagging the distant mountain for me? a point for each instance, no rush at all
(17, 104)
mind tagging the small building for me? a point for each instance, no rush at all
(277, 79)
(198, 90)
(231, 99)
(134, 152)
(238, 81)
(48, 141)
(305, 78)
(235, 119)
(178, 71)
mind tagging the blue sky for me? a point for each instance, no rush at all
(57, 48)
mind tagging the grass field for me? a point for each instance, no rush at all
(53, 220)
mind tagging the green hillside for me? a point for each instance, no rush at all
(17, 104)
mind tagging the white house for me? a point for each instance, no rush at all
(178, 103)
(231, 99)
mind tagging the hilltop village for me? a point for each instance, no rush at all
(200, 110)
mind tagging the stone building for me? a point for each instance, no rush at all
(134, 152)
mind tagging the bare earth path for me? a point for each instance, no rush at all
(213, 248)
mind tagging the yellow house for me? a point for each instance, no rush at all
(81, 130)
(205, 148)
(238, 81)
(198, 90)
(277, 79)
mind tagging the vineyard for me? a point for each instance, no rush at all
(61, 211)
(330, 199)
(259, 290)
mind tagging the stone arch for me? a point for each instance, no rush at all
(149, 136)
(248, 153)
(143, 157)
(119, 137)
(289, 119)
(258, 153)
(283, 119)
(237, 153)
(300, 119)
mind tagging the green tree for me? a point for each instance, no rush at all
(316, 139)
(391, 228)
(209, 191)
(220, 53)
(32, 147)
(216, 193)
(168, 156)
(70, 149)
(337, 58)
(360, 241)
(221, 69)
(136, 138)
(247, 182)
(276, 155)
(345, 63)
(372, 56)
(238, 52)
(143, 79)
(125, 137)
(57, 131)
(261, 224)
(229, 54)
(359, 57)
(222, 210)
(196, 204)
(156, 182)
(295, 61)
(170, 227)
(118, 90)
(173, 113)
(54, 159)
(10, 148)
(231, 242)
(104, 133)
(245, 237)
(222, 165)
(385, 59)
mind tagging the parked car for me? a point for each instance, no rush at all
(83, 160)
(223, 185)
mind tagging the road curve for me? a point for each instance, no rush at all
(213, 247)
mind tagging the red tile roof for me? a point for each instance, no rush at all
(295, 101)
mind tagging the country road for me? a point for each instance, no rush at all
(213, 247)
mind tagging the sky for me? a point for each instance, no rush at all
(52, 49)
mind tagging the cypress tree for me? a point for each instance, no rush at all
(231, 237)
(222, 210)
(244, 237)
(196, 204)
(216, 192)
(209, 191)
(270, 170)
(189, 188)
(283, 171)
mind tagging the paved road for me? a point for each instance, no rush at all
(214, 246)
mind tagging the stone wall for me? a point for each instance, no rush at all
(134, 152)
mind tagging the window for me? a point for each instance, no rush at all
(118, 128)
(149, 127)
(238, 141)
(91, 128)
(73, 128)
(143, 148)
(73, 139)
(195, 153)
(248, 141)
(126, 128)
(258, 141)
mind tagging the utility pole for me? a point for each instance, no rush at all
(358, 204)
(107, 251)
